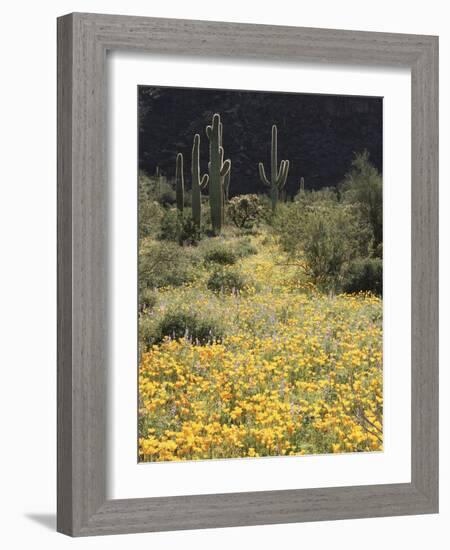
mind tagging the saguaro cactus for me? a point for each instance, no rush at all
(302, 185)
(218, 170)
(226, 192)
(179, 183)
(158, 179)
(278, 176)
(198, 182)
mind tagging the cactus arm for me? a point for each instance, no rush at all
(281, 170)
(283, 173)
(286, 170)
(208, 132)
(226, 185)
(195, 167)
(204, 181)
(262, 174)
(226, 167)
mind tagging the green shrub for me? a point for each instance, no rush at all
(188, 198)
(364, 185)
(378, 252)
(324, 238)
(226, 280)
(188, 232)
(167, 198)
(227, 250)
(156, 188)
(169, 228)
(147, 298)
(187, 324)
(250, 232)
(243, 248)
(163, 263)
(181, 230)
(220, 253)
(324, 195)
(146, 332)
(150, 216)
(364, 274)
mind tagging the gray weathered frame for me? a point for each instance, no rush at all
(83, 40)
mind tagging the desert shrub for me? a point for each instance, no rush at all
(188, 198)
(266, 208)
(169, 227)
(364, 274)
(163, 263)
(324, 238)
(378, 250)
(205, 218)
(226, 280)
(156, 188)
(220, 253)
(188, 232)
(147, 298)
(167, 198)
(243, 248)
(326, 194)
(184, 323)
(364, 185)
(245, 210)
(250, 231)
(227, 249)
(179, 229)
(150, 216)
(146, 332)
(277, 219)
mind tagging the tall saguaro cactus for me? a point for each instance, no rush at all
(278, 177)
(179, 183)
(198, 182)
(218, 170)
(226, 192)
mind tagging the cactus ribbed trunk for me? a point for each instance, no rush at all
(179, 184)
(278, 177)
(274, 195)
(218, 170)
(198, 182)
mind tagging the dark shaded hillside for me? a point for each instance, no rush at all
(317, 133)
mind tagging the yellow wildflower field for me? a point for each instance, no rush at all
(296, 371)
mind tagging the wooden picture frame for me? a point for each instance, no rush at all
(83, 40)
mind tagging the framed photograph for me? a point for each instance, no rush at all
(247, 274)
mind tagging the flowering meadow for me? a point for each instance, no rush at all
(279, 367)
(260, 313)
